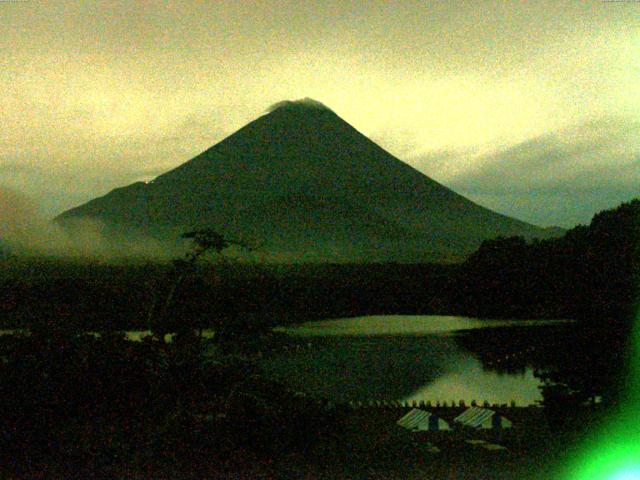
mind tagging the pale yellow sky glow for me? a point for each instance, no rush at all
(100, 94)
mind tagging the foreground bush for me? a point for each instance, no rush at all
(71, 398)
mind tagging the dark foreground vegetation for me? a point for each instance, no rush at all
(78, 400)
(80, 406)
(99, 296)
(77, 406)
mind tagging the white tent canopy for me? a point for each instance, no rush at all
(419, 420)
(482, 418)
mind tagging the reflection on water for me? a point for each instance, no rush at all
(469, 381)
(409, 358)
(402, 325)
(398, 357)
(352, 368)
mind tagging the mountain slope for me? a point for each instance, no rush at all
(307, 185)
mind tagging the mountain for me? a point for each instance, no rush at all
(306, 185)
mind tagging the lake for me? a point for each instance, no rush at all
(413, 357)
(426, 357)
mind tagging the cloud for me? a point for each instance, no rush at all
(303, 103)
(560, 178)
(26, 231)
(12, 168)
(601, 154)
(444, 165)
(75, 165)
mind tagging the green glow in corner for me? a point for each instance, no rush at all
(610, 462)
(632, 473)
(614, 452)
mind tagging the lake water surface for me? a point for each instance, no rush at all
(398, 357)
(409, 357)
(403, 325)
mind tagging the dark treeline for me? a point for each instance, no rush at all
(107, 297)
(78, 406)
(592, 272)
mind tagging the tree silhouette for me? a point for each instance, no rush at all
(205, 241)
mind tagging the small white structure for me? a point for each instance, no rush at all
(482, 418)
(420, 420)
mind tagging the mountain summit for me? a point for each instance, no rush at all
(307, 186)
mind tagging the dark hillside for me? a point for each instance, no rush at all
(592, 272)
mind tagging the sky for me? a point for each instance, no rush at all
(529, 108)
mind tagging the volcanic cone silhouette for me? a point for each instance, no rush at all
(307, 186)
